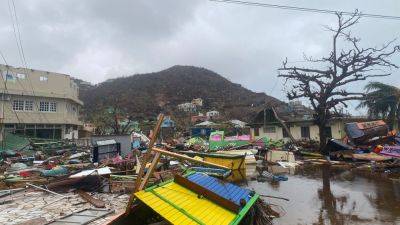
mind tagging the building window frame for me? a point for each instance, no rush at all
(43, 78)
(44, 106)
(28, 105)
(256, 131)
(305, 132)
(328, 131)
(53, 107)
(9, 77)
(21, 76)
(18, 105)
(284, 133)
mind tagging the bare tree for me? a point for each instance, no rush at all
(326, 84)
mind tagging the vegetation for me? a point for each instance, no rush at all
(326, 84)
(383, 101)
(112, 120)
(144, 96)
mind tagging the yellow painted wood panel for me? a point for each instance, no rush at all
(200, 208)
(233, 164)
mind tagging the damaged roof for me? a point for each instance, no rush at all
(185, 200)
(289, 112)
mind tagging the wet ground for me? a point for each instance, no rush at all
(326, 195)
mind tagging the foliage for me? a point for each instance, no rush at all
(382, 101)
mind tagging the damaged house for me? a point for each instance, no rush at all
(299, 120)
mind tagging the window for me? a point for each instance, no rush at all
(44, 106)
(21, 76)
(328, 132)
(53, 106)
(9, 126)
(43, 78)
(74, 110)
(18, 105)
(9, 77)
(256, 131)
(28, 105)
(305, 132)
(269, 129)
(284, 133)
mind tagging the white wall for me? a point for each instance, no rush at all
(337, 128)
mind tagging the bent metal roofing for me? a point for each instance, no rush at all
(182, 205)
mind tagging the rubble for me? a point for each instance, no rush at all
(60, 178)
(32, 205)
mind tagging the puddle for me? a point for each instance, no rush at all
(323, 195)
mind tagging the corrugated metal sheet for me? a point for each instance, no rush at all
(226, 190)
(179, 205)
(82, 217)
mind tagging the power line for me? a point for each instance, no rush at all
(13, 13)
(6, 90)
(19, 34)
(15, 33)
(304, 9)
(2, 56)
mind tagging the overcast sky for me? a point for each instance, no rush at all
(97, 39)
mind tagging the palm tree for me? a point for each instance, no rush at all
(383, 101)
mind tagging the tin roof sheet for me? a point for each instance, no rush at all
(226, 190)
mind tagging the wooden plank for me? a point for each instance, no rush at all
(94, 201)
(245, 209)
(184, 157)
(223, 202)
(150, 171)
(146, 158)
(283, 125)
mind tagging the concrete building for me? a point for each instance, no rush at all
(213, 114)
(187, 107)
(39, 103)
(300, 122)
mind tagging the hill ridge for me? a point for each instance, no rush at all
(147, 94)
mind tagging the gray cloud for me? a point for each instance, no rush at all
(98, 39)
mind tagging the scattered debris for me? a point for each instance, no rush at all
(94, 201)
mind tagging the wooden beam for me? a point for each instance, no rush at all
(94, 201)
(150, 171)
(200, 190)
(282, 122)
(146, 158)
(184, 157)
